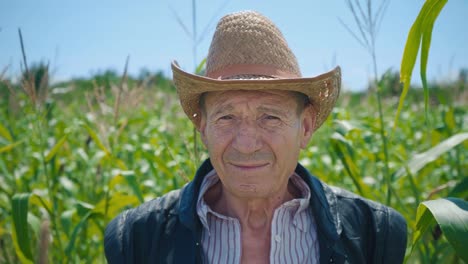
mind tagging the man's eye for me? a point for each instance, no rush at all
(270, 117)
(226, 117)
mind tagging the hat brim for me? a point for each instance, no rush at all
(323, 90)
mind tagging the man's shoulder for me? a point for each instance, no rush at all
(163, 205)
(166, 202)
(140, 224)
(346, 199)
(362, 218)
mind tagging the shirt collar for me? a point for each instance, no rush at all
(202, 207)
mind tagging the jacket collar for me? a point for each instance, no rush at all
(323, 203)
(188, 198)
(325, 210)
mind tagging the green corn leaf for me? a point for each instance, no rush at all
(20, 204)
(449, 120)
(116, 180)
(23, 259)
(10, 146)
(115, 204)
(5, 134)
(120, 164)
(66, 220)
(22, 219)
(409, 56)
(132, 182)
(200, 67)
(420, 31)
(71, 244)
(422, 159)
(3, 231)
(345, 126)
(460, 190)
(162, 167)
(55, 148)
(427, 26)
(344, 152)
(451, 214)
(96, 140)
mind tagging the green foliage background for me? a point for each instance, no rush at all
(72, 156)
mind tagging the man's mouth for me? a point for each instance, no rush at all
(249, 166)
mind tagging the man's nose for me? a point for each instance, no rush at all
(247, 138)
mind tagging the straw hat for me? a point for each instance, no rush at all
(248, 52)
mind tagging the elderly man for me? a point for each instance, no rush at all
(251, 202)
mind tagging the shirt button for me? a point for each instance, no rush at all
(277, 238)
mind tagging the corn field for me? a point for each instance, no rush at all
(76, 154)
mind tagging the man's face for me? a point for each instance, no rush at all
(254, 139)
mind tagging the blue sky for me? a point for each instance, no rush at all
(80, 38)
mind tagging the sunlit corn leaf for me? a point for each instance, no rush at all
(116, 180)
(200, 68)
(83, 208)
(344, 126)
(82, 154)
(10, 146)
(343, 150)
(449, 120)
(426, 28)
(55, 148)
(39, 201)
(19, 207)
(161, 166)
(115, 204)
(120, 163)
(451, 214)
(420, 34)
(132, 182)
(5, 134)
(2, 230)
(67, 184)
(422, 159)
(23, 259)
(96, 140)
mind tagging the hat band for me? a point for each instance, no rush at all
(250, 69)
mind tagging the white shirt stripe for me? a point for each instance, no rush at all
(293, 229)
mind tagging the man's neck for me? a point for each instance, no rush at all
(255, 217)
(252, 213)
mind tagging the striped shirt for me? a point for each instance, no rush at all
(293, 229)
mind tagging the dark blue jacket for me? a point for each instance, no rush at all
(350, 229)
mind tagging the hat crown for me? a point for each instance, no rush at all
(249, 38)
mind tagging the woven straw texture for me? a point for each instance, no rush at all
(243, 43)
(249, 38)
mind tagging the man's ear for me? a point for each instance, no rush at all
(201, 128)
(308, 119)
